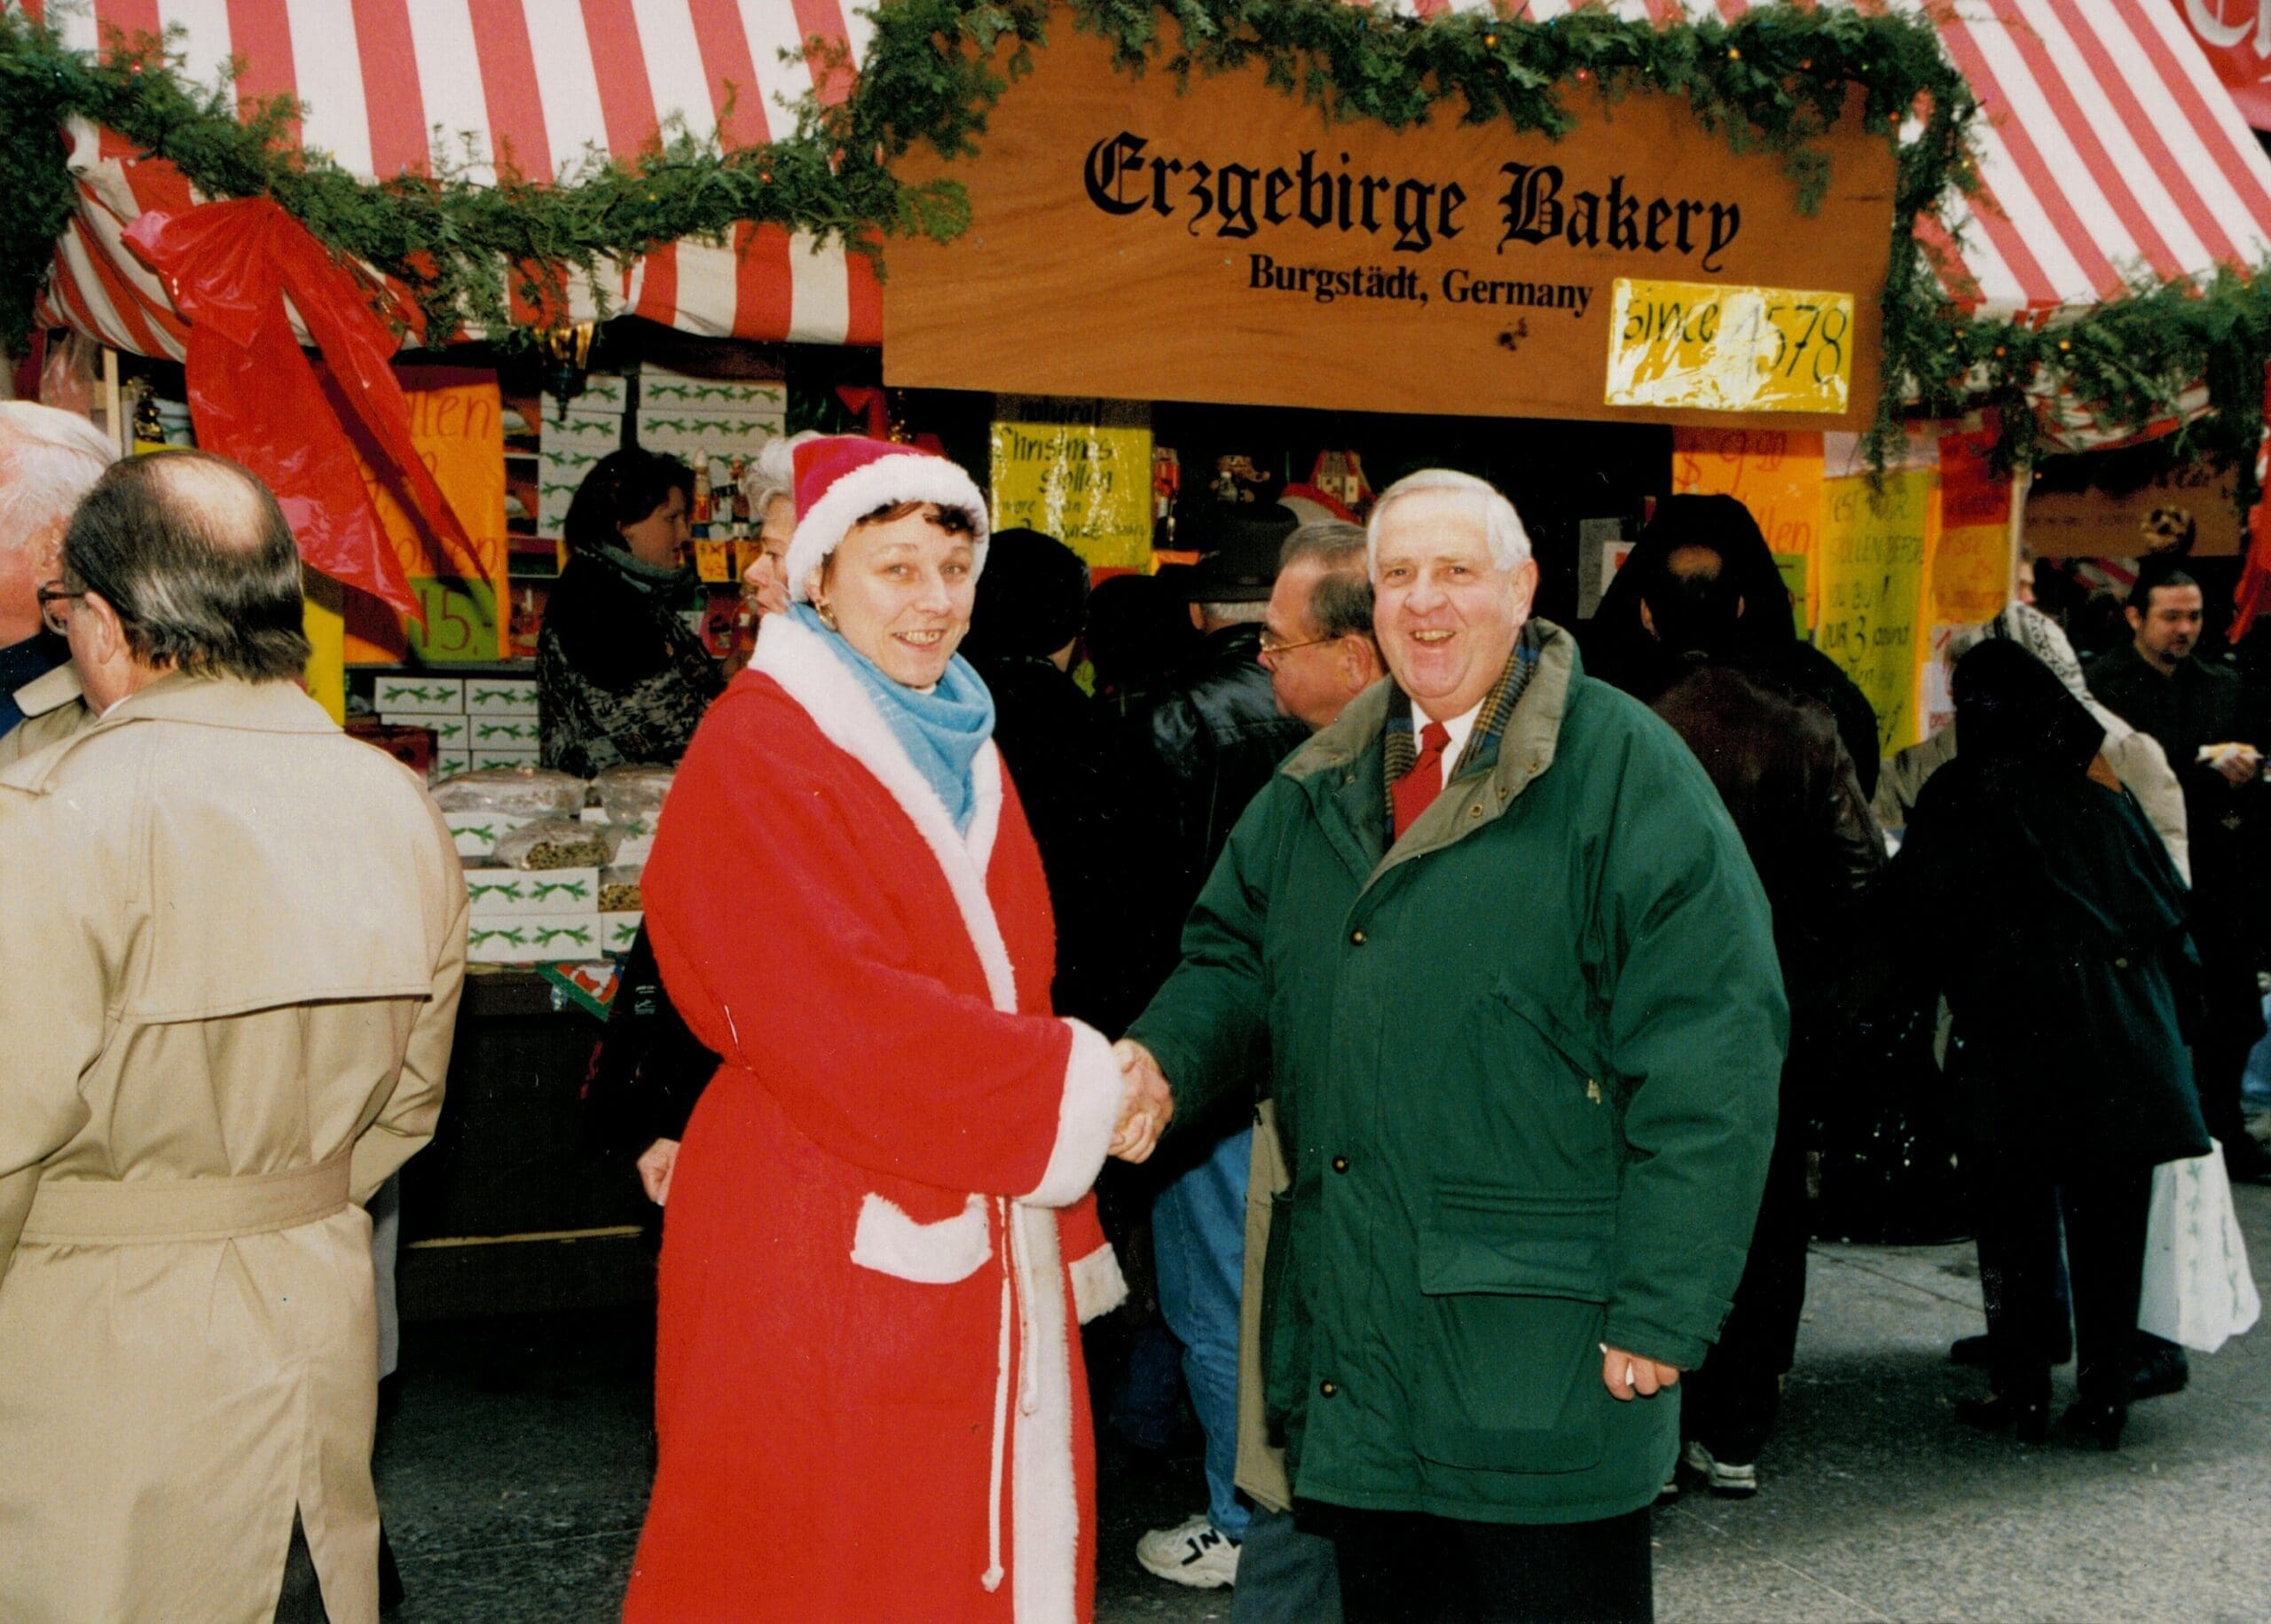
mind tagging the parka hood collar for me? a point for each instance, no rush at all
(1530, 733)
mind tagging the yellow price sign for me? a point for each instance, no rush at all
(1714, 348)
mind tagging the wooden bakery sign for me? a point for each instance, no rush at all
(1223, 243)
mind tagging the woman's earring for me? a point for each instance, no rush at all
(827, 617)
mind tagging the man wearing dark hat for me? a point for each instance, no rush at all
(1212, 742)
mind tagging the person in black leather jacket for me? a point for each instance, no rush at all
(1214, 737)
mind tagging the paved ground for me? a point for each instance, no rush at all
(514, 1469)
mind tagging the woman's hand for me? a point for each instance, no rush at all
(656, 1164)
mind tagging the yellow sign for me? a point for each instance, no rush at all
(1971, 574)
(1088, 486)
(1714, 348)
(457, 423)
(1871, 564)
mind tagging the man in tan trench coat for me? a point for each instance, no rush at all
(231, 947)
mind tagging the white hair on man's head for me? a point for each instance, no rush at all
(775, 472)
(1502, 526)
(49, 460)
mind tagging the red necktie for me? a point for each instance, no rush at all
(1417, 790)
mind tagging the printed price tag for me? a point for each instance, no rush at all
(1715, 348)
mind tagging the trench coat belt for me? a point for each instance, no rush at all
(67, 1211)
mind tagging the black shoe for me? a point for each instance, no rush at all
(2162, 1369)
(2029, 1419)
(2100, 1424)
(1977, 1352)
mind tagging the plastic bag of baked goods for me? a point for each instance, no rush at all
(632, 796)
(519, 792)
(619, 890)
(553, 842)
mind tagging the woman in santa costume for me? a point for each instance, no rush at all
(880, 1244)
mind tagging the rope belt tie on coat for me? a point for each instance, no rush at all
(1017, 1311)
(72, 1211)
(992, 1577)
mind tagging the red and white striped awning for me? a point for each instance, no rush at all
(537, 82)
(2110, 150)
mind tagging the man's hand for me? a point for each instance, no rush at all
(1146, 1107)
(656, 1164)
(1625, 1374)
(2240, 766)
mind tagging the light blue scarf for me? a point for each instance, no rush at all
(940, 731)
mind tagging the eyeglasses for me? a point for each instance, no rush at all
(52, 596)
(1271, 647)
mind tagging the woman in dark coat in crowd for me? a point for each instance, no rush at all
(2031, 890)
(620, 677)
(1618, 649)
(1076, 785)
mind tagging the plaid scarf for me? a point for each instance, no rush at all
(1399, 747)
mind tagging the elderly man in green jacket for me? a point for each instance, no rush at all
(1496, 942)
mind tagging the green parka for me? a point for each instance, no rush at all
(1525, 1067)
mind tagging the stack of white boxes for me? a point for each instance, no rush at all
(501, 721)
(414, 700)
(520, 916)
(570, 442)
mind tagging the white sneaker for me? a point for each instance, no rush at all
(1195, 1553)
(1737, 1481)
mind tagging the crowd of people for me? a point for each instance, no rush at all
(1455, 991)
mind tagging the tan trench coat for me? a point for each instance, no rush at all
(230, 946)
(53, 709)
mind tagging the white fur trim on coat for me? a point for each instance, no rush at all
(1045, 1521)
(1098, 1287)
(1086, 1112)
(934, 1254)
(794, 656)
(909, 476)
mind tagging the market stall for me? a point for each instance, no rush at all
(1852, 266)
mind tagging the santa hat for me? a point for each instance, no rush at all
(843, 478)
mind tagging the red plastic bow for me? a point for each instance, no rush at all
(255, 396)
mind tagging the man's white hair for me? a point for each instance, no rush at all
(1502, 526)
(49, 460)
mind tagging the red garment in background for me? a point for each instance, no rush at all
(254, 395)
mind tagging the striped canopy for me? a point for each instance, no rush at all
(2110, 150)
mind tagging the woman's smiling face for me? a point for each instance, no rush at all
(900, 591)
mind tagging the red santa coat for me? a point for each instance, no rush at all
(869, 1388)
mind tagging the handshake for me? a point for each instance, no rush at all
(1145, 1108)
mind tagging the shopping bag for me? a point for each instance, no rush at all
(2197, 1290)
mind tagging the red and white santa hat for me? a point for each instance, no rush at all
(843, 478)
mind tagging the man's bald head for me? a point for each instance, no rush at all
(194, 556)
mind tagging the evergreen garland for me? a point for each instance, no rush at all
(1775, 79)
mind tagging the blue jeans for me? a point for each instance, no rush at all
(1199, 1237)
